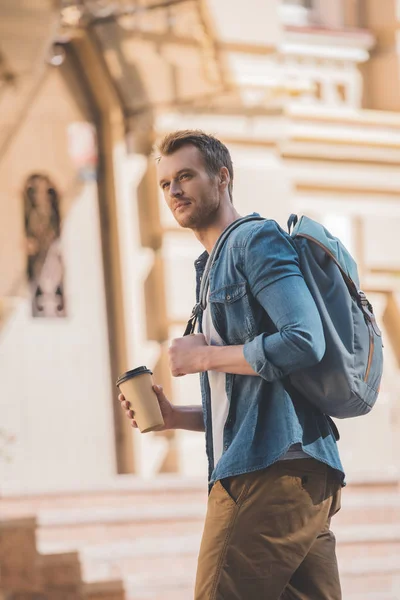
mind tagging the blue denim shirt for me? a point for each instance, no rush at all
(258, 298)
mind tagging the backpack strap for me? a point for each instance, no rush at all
(335, 430)
(201, 305)
(292, 222)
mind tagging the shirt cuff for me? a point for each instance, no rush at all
(255, 355)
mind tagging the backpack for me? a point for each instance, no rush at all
(345, 383)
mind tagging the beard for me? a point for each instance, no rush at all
(198, 217)
(200, 214)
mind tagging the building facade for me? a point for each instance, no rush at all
(96, 277)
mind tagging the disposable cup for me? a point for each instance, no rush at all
(136, 385)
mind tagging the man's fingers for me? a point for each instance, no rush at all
(129, 412)
(124, 403)
(158, 389)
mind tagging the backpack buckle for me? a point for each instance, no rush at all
(191, 324)
(364, 300)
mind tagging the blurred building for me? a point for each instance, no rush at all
(95, 274)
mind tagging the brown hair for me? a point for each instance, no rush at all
(215, 154)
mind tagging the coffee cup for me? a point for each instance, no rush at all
(137, 387)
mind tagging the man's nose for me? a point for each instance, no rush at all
(175, 189)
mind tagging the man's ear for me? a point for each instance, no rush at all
(224, 176)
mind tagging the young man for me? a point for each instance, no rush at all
(274, 471)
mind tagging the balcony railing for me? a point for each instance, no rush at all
(341, 14)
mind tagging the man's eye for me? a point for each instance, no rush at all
(164, 186)
(184, 176)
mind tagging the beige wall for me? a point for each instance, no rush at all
(55, 388)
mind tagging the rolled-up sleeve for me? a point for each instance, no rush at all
(272, 270)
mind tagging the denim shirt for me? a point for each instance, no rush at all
(258, 298)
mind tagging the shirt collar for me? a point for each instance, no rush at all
(201, 261)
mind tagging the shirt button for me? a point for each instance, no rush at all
(228, 297)
(226, 446)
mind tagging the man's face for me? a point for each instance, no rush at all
(191, 194)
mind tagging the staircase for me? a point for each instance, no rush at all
(148, 534)
(367, 531)
(25, 574)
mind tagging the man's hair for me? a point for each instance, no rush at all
(215, 154)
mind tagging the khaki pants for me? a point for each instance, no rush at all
(267, 536)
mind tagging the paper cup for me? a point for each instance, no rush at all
(136, 386)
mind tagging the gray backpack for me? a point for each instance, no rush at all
(346, 381)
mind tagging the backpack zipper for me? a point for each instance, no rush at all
(370, 351)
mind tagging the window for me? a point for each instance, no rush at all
(296, 12)
(326, 13)
(304, 3)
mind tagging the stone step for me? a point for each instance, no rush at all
(168, 555)
(378, 550)
(373, 596)
(157, 593)
(99, 522)
(121, 491)
(87, 526)
(375, 483)
(151, 587)
(19, 559)
(129, 490)
(372, 564)
(379, 508)
(116, 515)
(358, 534)
(175, 572)
(104, 590)
(81, 535)
(61, 576)
(361, 546)
(356, 510)
(363, 541)
(144, 547)
(381, 583)
(374, 583)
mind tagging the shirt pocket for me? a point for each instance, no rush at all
(232, 314)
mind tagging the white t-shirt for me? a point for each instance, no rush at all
(220, 401)
(217, 382)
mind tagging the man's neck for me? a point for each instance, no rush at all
(209, 235)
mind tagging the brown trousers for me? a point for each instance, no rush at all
(267, 536)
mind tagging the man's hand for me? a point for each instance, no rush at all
(188, 355)
(167, 409)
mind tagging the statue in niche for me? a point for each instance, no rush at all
(44, 261)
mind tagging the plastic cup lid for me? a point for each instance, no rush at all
(132, 373)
